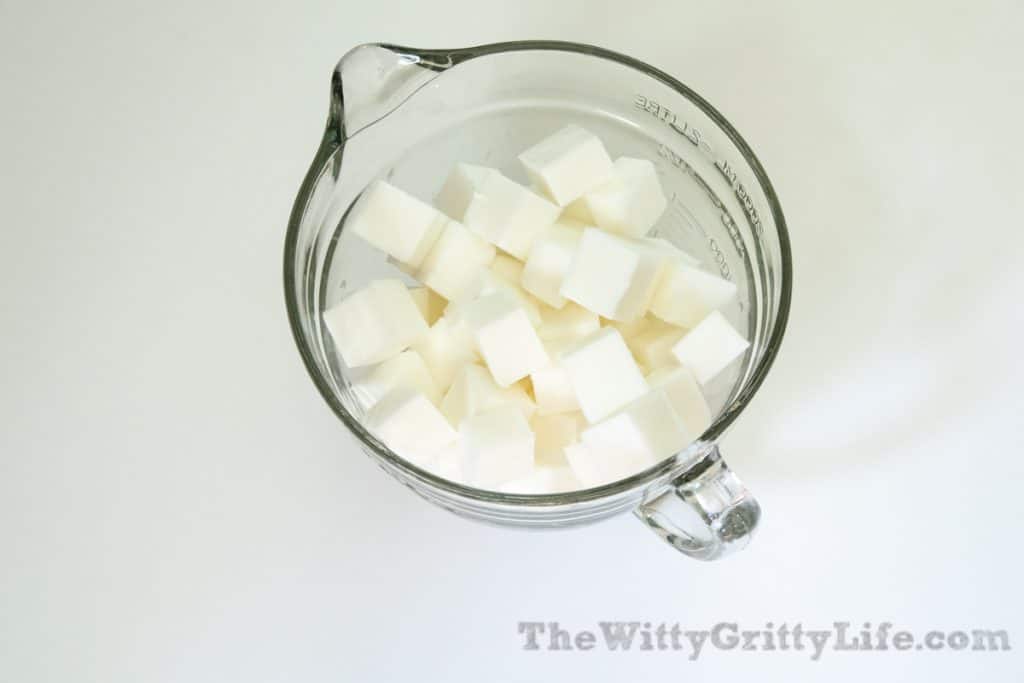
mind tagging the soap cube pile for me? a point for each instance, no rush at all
(551, 344)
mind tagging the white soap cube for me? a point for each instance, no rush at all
(543, 479)
(653, 347)
(603, 373)
(637, 437)
(507, 214)
(586, 467)
(710, 347)
(613, 276)
(410, 425)
(520, 396)
(472, 392)
(407, 370)
(674, 253)
(571, 222)
(549, 262)
(632, 328)
(446, 347)
(396, 222)
(686, 295)
(490, 281)
(505, 338)
(681, 388)
(571, 321)
(507, 268)
(448, 462)
(430, 304)
(525, 300)
(459, 188)
(552, 388)
(455, 314)
(475, 391)
(375, 323)
(552, 433)
(630, 203)
(453, 265)
(497, 447)
(567, 164)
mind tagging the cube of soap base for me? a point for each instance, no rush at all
(410, 425)
(567, 164)
(552, 388)
(497, 447)
(375, 323)
(407, 370)
(543, 479)
(447, 463)
(549, 261)
(603, 373)
(507, 214)
(647, 428)
(587, 468)
(633, 439)
(431, 305)
(681, 388)
(446, 347)
(519, 395)
(453, 265)
(397, 223)
(652, 347)
(552, 433)
(459, 188)
(710, 347)
(613, 276)
(632, 328)
(474, 391)
(686, 295)
(489, 281)
(496, 280)
(571, 321)
(596, 467)
(505, 337)
(629, 204)
(507, 268)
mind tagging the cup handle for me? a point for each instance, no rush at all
(705, 513)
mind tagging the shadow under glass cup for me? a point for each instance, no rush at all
(410, 115)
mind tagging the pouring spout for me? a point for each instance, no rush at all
(372, 80)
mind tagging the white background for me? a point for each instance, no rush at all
(177, 503)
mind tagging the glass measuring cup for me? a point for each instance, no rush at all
(409, 115)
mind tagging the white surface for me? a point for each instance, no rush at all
(178, 504)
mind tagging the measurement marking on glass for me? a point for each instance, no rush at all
(727, 220)
(696, 138)
(669, 118)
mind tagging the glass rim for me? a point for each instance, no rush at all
(333, 141)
